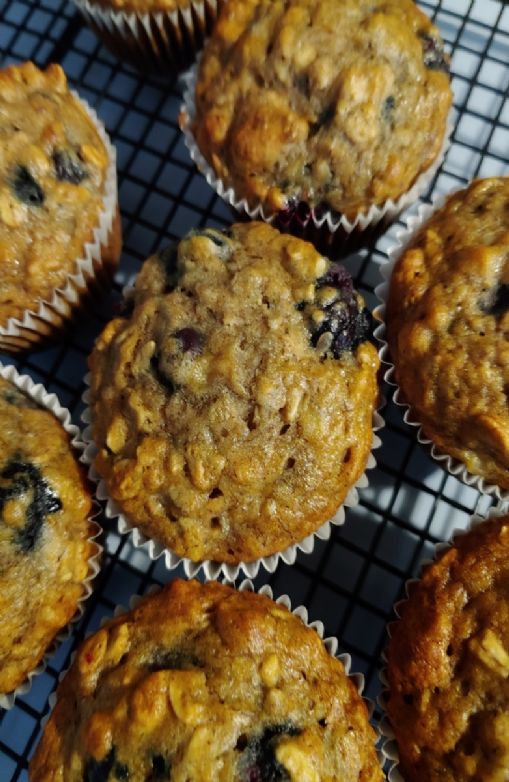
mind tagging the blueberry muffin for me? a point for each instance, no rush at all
(232, 408)
(448, 664)
(44, 533)
(330, 106)
(202, 682)
(152, 34)
(54, 169)
(447, 321)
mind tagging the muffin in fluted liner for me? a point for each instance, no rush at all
(326, 119)
(207, 680)
(446, 671)
(59, 220)
(444, 316)
(152, 34)
(49, 553)
(232, 407)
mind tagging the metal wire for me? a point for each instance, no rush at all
(351, 581)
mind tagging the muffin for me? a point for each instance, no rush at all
(448, 663)
(446, 322)
(232, 407)
(59, 224)
(201, 681)
(45, 547)
(152, 34)
(321, 110)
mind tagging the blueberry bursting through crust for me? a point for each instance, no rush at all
(344, 323)
(258, 761)
(18, 480)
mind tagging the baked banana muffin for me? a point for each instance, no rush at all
(45, 549)
(448, 664)
(152, 34)
(202, 682)
(232, 408)
(447, 320)
(329, 107)
(57, 187)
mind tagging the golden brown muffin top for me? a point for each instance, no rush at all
(44, 530)
(340, 104)
(53, 167)
(232, 410)
(205, 683)
(448, 664)
(447, 327)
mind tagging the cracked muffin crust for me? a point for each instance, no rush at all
(202, 682)
(447, 326)
(53, 167)
(44, 529)
(232, 409)
(448, 664)
(335, 105)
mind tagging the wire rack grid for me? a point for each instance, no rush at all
(351, 581)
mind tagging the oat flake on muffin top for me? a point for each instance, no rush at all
(232, 410)
(339, 104)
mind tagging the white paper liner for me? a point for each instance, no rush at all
(389, 747)
(326, 224)
(37, 325)
(164, 38)
(212, 569)
(330, 643)
(454, 466)
(50, 402)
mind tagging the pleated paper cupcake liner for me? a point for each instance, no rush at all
(155, 40)
(328, 231)
(453, 466)
(389, 747)
(92, 270)
(212, 569)
(50, 402)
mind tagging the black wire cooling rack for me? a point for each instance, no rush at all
(351, 581)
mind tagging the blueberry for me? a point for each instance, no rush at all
(497, 301)
(174, 660)
(258, 762)
(68, 167)
(324, 118)
(18, 478)
(161, 375)
(433, 53)
(295, 210)
(348, 325)
(190, 339)
(218, 238)
(161, 768)
(121, 771)
(388, 108)
(336, 277)
(99, 770)
(168, 258)
(16, 398)
(26, 188)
